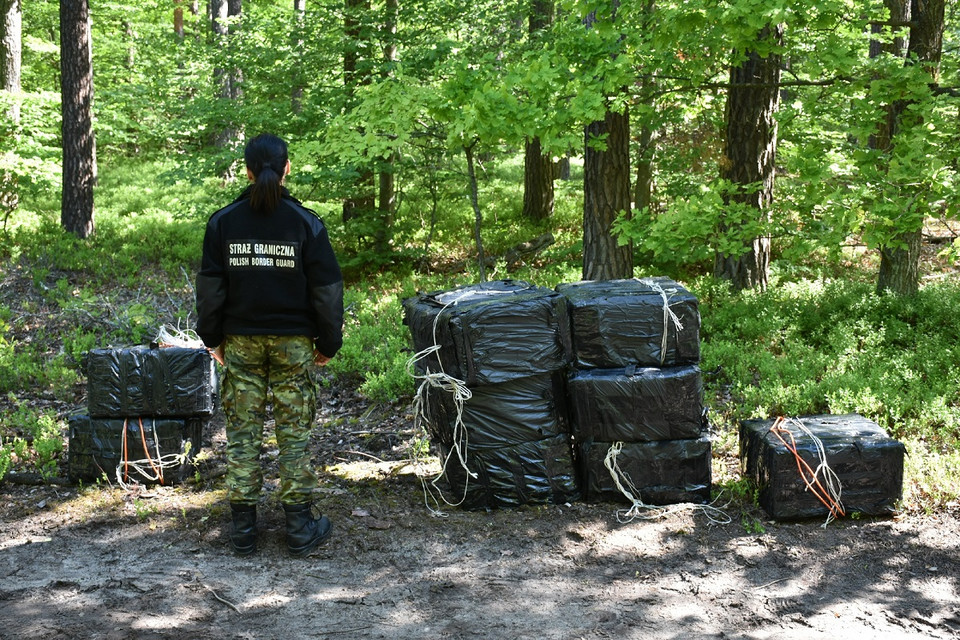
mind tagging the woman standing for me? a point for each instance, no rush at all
(270, 305)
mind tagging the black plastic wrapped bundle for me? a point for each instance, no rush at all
(148, 381)
(539, 472)
(96, 447)
(867, 463)
(491, 332)
(662, 472)
(502, 414)
(617, 323)
(637, 404)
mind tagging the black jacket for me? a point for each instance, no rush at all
(269, 274)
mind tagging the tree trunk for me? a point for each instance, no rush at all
(538, 172)
(356, 72)
(477, 215)
(900, 266)
(11, 60)
(749, 157)
(387, 197)
(643, 188)
(227, 80)
(178, 20)
(11, 51)
(606, 193)
(538, 192)
(296, 86)
(79, 149)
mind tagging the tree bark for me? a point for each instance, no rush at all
(79, 148)
(11, 61)
(477, 214)
(228, 81)
(538, 175)
(606, 193)
(356, 73)
(900, 265)
(387, 195)
(11, 50)
(538, 194)
(749, 157)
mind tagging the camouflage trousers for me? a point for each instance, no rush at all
(255, 366)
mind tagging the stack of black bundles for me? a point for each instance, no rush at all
(636, 396)
(507, 345)
(146, 408)
(783, 458)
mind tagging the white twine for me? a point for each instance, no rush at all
(643, 511)
(829, 480)
(175, 337)
(460, 393)
(668, 315)
(149, 468)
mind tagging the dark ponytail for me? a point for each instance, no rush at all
(266, 158)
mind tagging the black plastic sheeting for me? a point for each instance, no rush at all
(145, 381)
(617, 323)
(491, 332)
(539, 472)
(96, 446)
(637, 404)
(663, 472)
(868, 463)
(503, 414)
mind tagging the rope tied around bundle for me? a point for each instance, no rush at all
(460, 394)
(151, 467)
(643, 511)
(822, 482)
(668, 316)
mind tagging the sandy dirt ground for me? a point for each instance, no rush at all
(100, 562)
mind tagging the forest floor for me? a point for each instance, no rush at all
(101, 562)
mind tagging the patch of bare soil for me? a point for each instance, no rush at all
(99, 562)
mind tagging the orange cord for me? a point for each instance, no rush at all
(143, 438)
(819, 491)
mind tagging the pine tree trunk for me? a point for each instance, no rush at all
(750, 158)
(538, 192)
(79, 149)
(606, 193)
(900, 267)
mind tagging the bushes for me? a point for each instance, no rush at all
(837, 347)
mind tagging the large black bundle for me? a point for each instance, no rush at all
(539, 472)
(97, 446)
(866, 461)
(662, 472)
(637, 404)
(490, 332)
(502, 414)
(651, 322)
(148, 381)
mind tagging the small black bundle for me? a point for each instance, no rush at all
(146, 408)
(651, 322)
(783, 458)
(637, 404)
(150, 381)
(146, 450)
(490, 332)
(537, 472)
(661, 472)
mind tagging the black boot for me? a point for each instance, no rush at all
(304, 532)
(243, 537)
